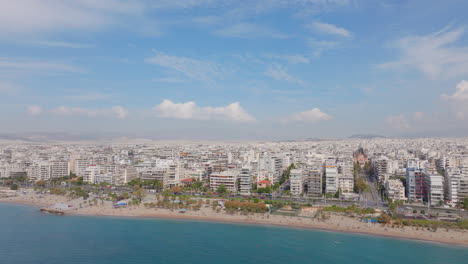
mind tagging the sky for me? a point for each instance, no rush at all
(234, 69)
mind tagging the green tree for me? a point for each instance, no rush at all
(393, 205)
(139, 193)
(222, 189)
(264, 190)
(81, 193)
(360, 185)
(197, 185)
(357, 169)
(384, 219)
(135, 182)
(285, 175)
(79, 181)
(367, 167)
(14, 187)
(276, 186)
(337, 194)
(465, 203)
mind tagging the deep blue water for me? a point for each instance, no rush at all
(28, 236)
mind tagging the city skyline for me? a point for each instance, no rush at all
(234, 70)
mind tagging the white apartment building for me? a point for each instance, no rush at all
(12, 170)
(452, 183)
(413, 163)
(271, 164)
(39, 171)
(245, 181)
(105, 178)
(456, 184)
(331, 182)
(345, 183)
(59, 168)
(296, 181)
(434, 188)
(395, 190)
(81, 165)
(91, 172)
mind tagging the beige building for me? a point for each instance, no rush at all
(395, 190)
(228, 178)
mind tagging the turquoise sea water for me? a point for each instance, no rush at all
(28, 236)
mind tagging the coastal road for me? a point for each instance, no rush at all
(370, 196)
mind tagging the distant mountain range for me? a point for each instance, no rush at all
(366, 136)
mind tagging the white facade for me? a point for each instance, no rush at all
(245, 181)
(345, 183)
(331, 182)
(59, 168)
(296, 181)
(395, 190)
(434, 188)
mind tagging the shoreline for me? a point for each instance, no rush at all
(375, 231)
(255, 223)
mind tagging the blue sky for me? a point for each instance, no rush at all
(206, 69)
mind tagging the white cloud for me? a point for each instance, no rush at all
(289, 58)
(279, 73)
(194, 69)
(458, 101)
(170, 80)
(34, 110)
(44, 16)
(319, 46)
(62, 44)
(116, 111)
(311, 116)
(246, 30)
(398, 122)
(461, 93)
(171, 4)
(304, 8)
(120, 112)
(435, 55)
(34, 18)
(22, 65)
(330, 29)
(190, 111)
(455, 112)
(368, 90)
(206, 20)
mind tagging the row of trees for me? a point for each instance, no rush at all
(421, 223)
(286, 174)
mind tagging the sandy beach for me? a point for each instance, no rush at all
(334, 222)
